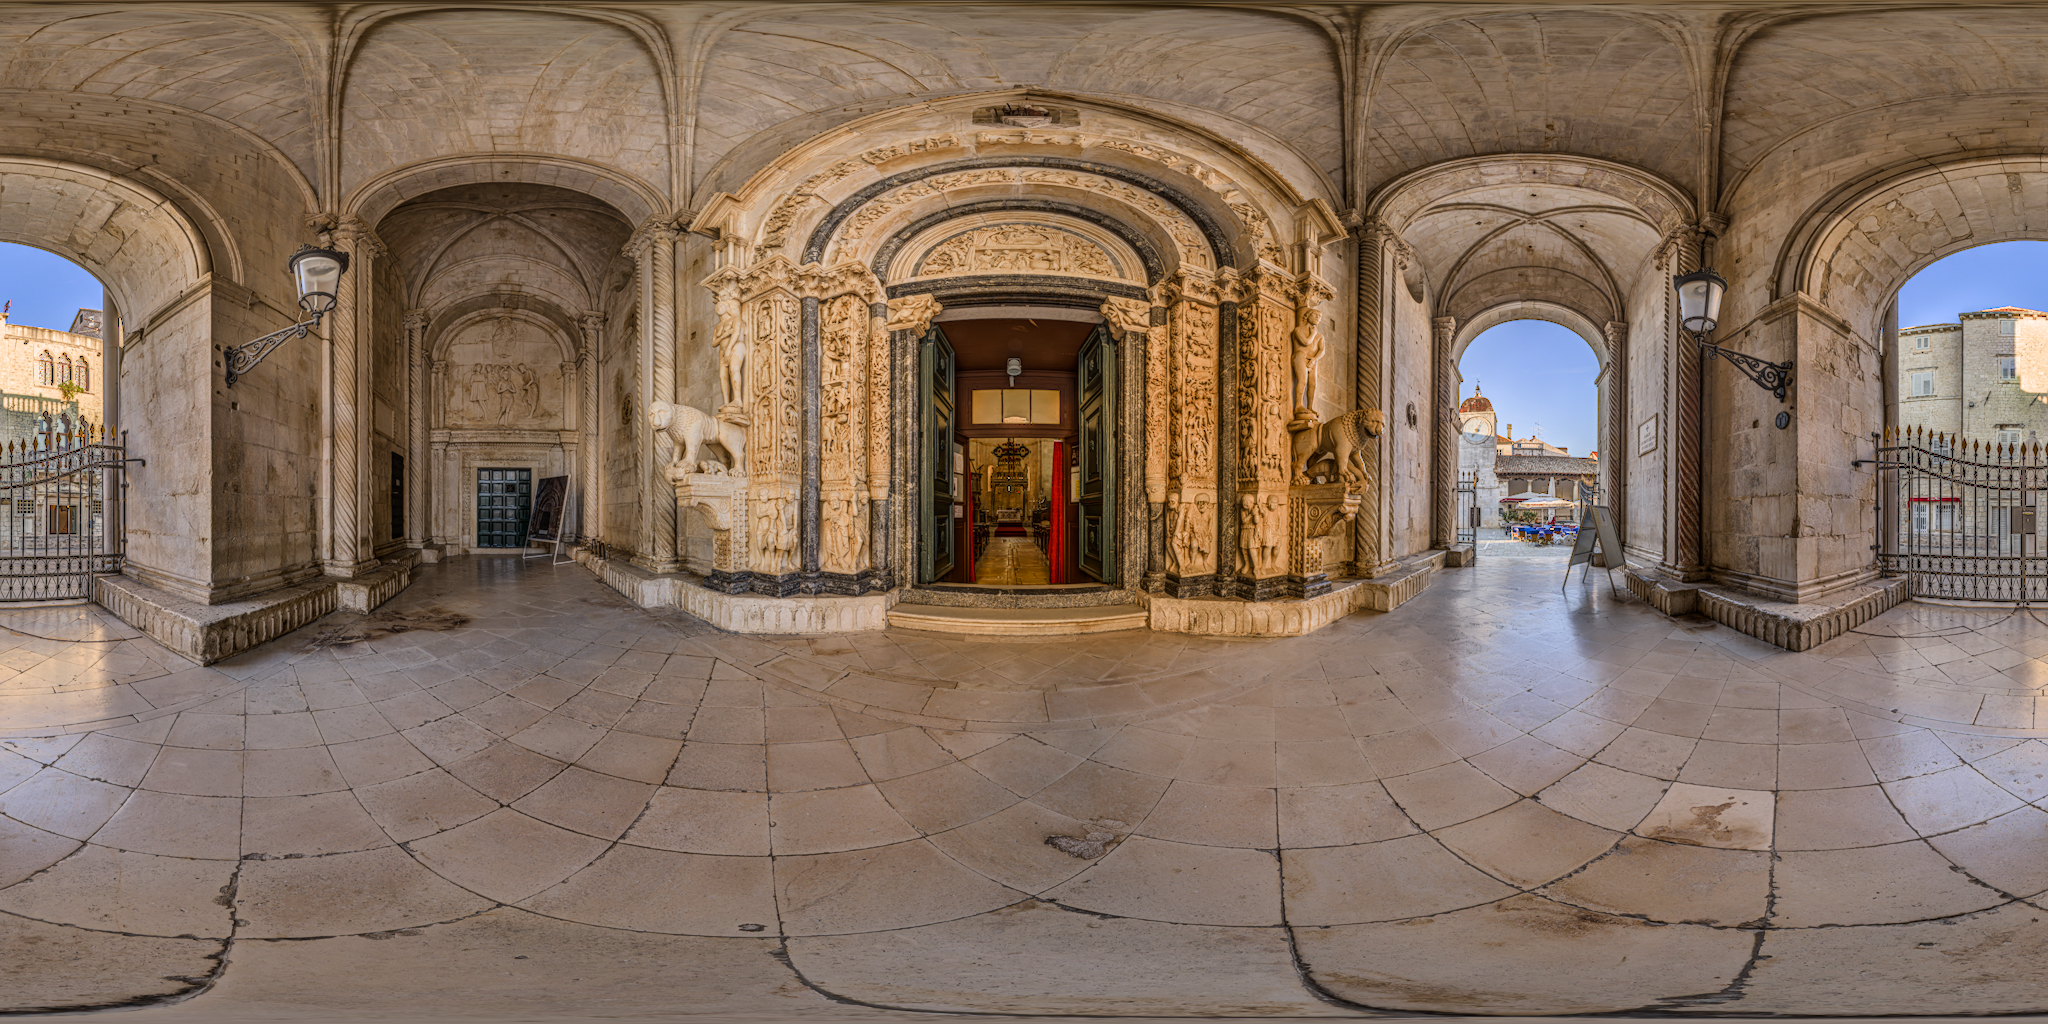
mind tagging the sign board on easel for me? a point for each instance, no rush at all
(550, 498)
(1600, 529)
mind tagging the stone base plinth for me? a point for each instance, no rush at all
(1221, 616)
(209, 633)
(1795, 627)
(1409, 577)
(1459, 555)
(743, 613)
(364, 593)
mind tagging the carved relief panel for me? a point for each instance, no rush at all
(844, 338)
(1019, 249)
(502, 373)
(1191, 435)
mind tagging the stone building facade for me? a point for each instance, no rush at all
(689, 257)
(1963, 378)
(36, 408)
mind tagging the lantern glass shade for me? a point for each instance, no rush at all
(1699, 299)
(318, 275)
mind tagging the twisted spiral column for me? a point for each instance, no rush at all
(1369, 527)
(1444, 435)
(348, 548)
(588, 515)
(416, 399)
(658, 340)
(1614, 466)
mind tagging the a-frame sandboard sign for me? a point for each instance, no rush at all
(1600, 528)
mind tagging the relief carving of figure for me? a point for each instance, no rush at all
(1341, 440)
(1250, 519)
(1308, 357)
(732, 351)
(1272, 536)
(1190, 527)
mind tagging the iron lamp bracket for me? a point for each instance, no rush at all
(243, 358)
(1772, 377)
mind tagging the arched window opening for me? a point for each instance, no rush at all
(1964, 426)
(46, 368)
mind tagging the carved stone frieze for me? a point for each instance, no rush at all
(1018, 249)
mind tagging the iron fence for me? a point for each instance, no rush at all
(1957, 516)
(1468, 507)
(60, 517)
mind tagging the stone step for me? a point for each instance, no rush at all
(1018, 621)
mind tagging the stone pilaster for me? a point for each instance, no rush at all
(1613, 469)
(1194, 494)
(1369, 547)
(654, 249)
(589, 511)
(347, 548)
(1443, 435)
(1682, 546)
(1265, 407)
(416, 398)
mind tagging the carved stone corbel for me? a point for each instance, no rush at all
(913, 313)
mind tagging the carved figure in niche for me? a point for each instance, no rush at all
(1189, 529)
(846, 536)
(689, 429)
(732, 353)
(1251, 517)
(1340, 439)
(1272, 536)
(1308, 358)
(502, 337)
(529, 387)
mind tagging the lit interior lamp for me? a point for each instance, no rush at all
(317, 272)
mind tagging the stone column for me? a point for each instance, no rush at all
(440, 514)
(1369, 537)
(1140, 462)
(416, 399)
(1613, 467)
(1194, 492)
(655, 252)
(1682, 548)
(588, 514)
(348, 467)
(1443, 466)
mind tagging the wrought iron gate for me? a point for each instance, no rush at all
(1468, 507)
(59, 496)
(1959, 518)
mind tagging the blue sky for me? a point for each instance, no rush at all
(47, 289)
(1989, 276)
(1540, 379)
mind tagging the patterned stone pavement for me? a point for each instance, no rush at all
(510, 793)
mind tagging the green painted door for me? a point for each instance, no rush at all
(935, 458)
(1095, 400)
(504, 500)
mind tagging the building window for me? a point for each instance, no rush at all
(2008, 368)
(84, 379)
(1922, 342)
(1923, 383)
(46, 369)
(2007, 326)
(2008, 437)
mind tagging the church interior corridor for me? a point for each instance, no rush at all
(886, 509)
(510, 794)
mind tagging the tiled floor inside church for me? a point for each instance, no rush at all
(511, 793)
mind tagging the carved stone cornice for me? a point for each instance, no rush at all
(647, 233)
(913, 313)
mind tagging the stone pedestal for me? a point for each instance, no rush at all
(723, 500)
(1314, 515)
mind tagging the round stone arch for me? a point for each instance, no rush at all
(1855, 249)
(1541, 236)
(153, 261)
(638, 201)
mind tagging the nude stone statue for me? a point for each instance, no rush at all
(1308, 357)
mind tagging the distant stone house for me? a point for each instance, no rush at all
(51, 391)
(1963, 379)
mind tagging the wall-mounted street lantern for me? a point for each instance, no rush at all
(1699, 309)
(318, 273)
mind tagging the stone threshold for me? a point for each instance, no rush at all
(1018, 621)
(1793, 626)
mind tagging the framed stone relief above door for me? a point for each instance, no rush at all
(504, 372)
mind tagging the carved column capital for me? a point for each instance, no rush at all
(1124, 316)
(913, 313)
(591, 322)
(416, 319)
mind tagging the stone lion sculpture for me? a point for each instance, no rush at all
(691, 429)
(1340, 439)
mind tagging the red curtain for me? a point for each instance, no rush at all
(1056, 542)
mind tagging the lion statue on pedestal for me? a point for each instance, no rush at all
(1340, 439)
(691, 429)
